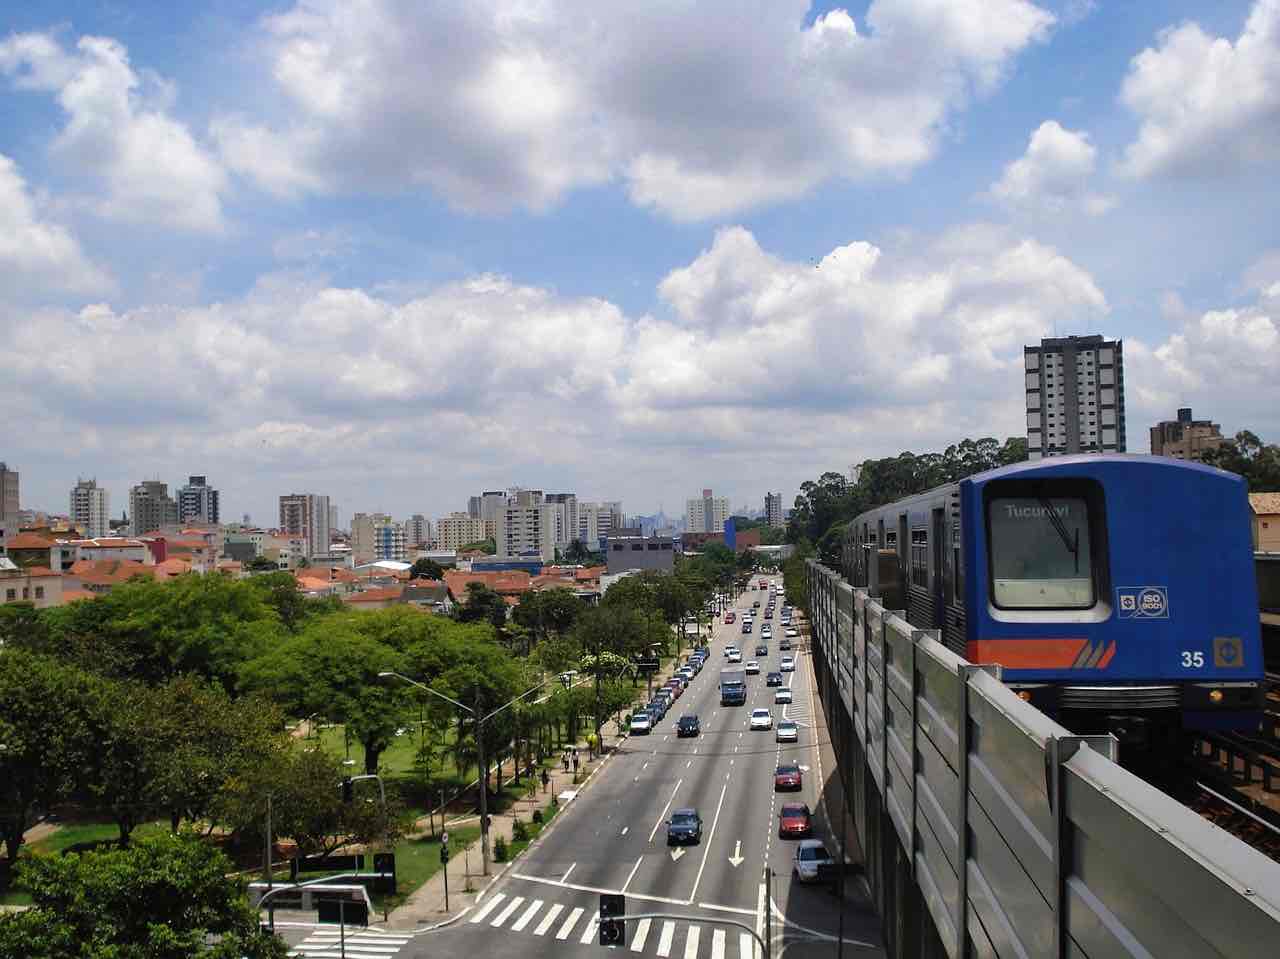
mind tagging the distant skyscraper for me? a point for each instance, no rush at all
(198, 502)
(333, 519)
(8, 498)
(151, 507)
(1185, 438)
(306, 515)
(1075, 396)
(417, 530)
(527, 530)
(707, 514)
(90, 508)
(773, 509)
(566, 516)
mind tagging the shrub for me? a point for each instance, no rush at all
(499, 850)
(537, 816)
(519, 831)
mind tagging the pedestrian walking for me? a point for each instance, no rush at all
(565, 759)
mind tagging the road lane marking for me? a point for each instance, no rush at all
(598, 890)
(589, 934)
(663, 815)
(717, 944)
(664, 941)
(688, 764)
(548, 919)
(644, 767)
(567, 926)
(761, 903)
(488, 907)
(625, 830)
(710, 838)
(503, 916)
(691, 942)
(642, 933)
(632, 874)
(527, 917)
(565, 877)
(746, 946)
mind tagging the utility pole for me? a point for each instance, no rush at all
(484, 786)
(267, 850)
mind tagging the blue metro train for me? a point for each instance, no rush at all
(1117, 592)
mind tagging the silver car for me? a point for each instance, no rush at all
(811, 856)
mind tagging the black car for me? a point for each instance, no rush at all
(688, 726)
(762, 650)
(746, 627)
(684, 826)
(773, 679)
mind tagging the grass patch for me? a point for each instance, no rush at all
(516, 846)
(84, 836)
(417, 860)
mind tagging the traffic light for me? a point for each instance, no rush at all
(444, 853)
(348, 790)
(613, 930)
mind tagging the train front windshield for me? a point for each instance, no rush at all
(1040, 553)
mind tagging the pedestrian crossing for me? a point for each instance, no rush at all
(569, 922)
(359, 944)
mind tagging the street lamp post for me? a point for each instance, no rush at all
(479, 720)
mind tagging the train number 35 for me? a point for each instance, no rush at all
(1192, 659)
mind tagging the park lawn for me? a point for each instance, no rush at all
(75, 837)
(418, 859)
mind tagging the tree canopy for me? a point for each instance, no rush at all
(1246, 454)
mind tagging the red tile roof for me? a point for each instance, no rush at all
(376, 595)
(108, 572)
(41, 571)
(28, 541)
(72, 595)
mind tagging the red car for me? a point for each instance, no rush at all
(730, 616)
(787, 776)
(794, 821)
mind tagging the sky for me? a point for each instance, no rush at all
(397, 252)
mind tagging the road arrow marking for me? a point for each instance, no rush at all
(736, 859)
(676, 854)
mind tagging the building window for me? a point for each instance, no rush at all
(39, 592)
(10, 595)
(26, 592)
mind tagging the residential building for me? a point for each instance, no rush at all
(9, 520)
(1185, 438)
(773, 509)
(640, 552)
(527, 530)
(90, 508)
(491, 503)
(151, 507)
(707, 513)
(1264, 509)
(1075, 396)
(417, 530)
(457, 530)
(566, 517)
(306, 515)
(38, 585)
(333, 519)
(114, 547)
(198, 502)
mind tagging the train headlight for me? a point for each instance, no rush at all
(1025, 695)
(1215, 695)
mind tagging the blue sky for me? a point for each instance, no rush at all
(397, 252)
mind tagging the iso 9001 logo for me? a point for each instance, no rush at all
(1142, 602)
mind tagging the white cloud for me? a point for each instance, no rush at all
(37, 255)
(119, 130)
(1208, 105)
(701, 108)
(1053, 175)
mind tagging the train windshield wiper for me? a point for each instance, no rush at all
(1071, 543)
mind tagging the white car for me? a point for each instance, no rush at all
(792, 633)
(788, 732)
(766, 632)
(640, 725)
(735, 656)
(753, 668)
(761, 719)
(811, 856)
(788, 664)
(782, 697)
(730, 649)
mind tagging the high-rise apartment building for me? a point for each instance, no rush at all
(566, 516)
(376, 537)
(527, 531)
(597, 520)
(90, 508)
(1075, 396)
(306, 515)
(151, 507)
(492, 502)
(333, 519)
(707, 514)
(417, 530)
(773, 509)
(198, 502)
(8, 499)
(458, 529)
(1185, 438)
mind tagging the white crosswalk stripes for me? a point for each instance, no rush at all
(488, 907)
(717, 944)
(691, 942)
(548, 919)
(640, 935)
(503, 916)
(567, 926)
(746, 946)
(664, 944)
(528, 916)
(589, 935)
(358, 944)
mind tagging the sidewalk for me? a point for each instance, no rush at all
(426, 907)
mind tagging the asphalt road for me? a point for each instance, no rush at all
(612, 838)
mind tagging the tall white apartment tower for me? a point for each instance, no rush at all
(1075, 396)
(773, 509)
(307, 515)
(528, 530)
(707, 514)
(90, 508)
(198, 502)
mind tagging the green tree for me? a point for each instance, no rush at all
(483, 604)
(1247, 455)
(424, 568)
(548, 611)
(487, 546)
(164, 898)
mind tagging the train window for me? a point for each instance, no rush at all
(1040, 552)
(957, 564)
(920, 557)
(890, 539)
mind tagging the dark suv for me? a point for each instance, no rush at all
(688, 726)
(684, 826)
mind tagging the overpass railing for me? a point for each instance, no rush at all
(987, 829)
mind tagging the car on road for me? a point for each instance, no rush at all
(788, 664)
(792, 632)
(787, 776)
(687, 726)
(675, 688)
(729, 649)
(753, 667)
(761, 719)
(641, 724)
(730, 616)
(768, 613)
(746, 627)
(762, 650)
(773, 679)
(782, 697)
(788, 732)
(766, 632)
(735, 657)
(794, 821)
(756, 604)
(687, 673)
(811, 860)
(684, 826)
(657, 708)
